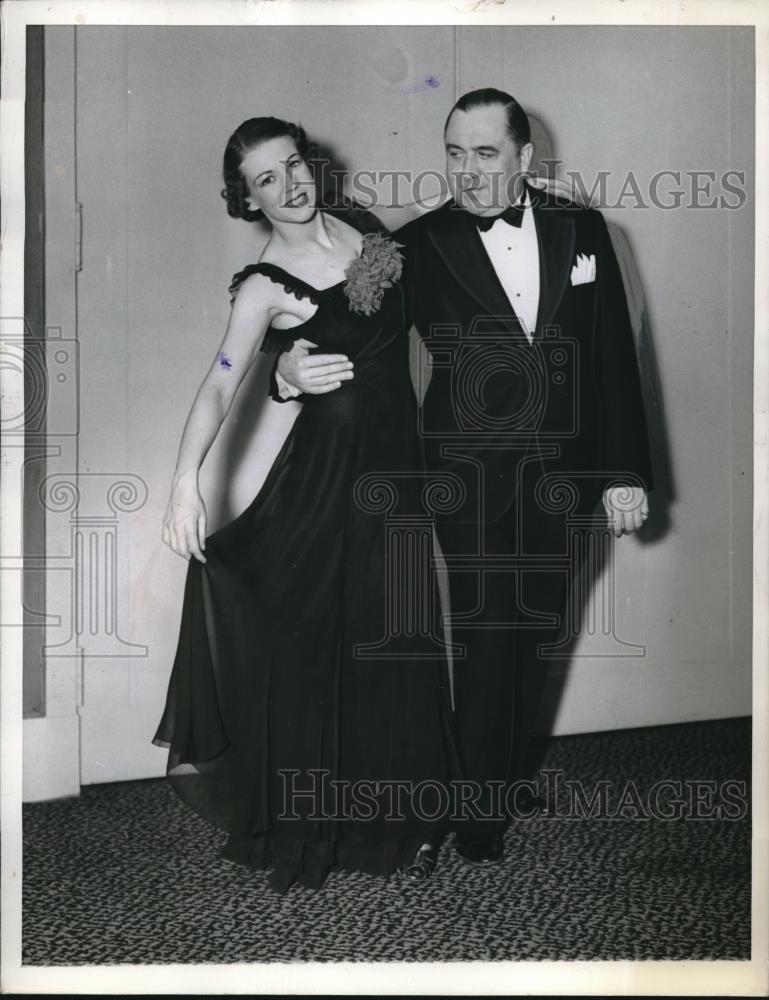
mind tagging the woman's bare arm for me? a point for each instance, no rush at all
(184, 525)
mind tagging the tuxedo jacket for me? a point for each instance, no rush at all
(567, 406)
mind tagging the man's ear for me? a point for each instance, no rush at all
(526, 155)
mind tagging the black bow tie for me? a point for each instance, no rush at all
(513, 215)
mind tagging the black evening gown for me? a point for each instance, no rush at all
(269, 700)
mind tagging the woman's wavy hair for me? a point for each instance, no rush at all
(247, 135)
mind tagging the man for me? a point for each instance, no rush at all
(533, 412)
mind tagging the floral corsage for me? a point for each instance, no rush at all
(378, 268)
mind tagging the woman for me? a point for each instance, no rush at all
(269, 702)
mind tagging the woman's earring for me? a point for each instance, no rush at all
(255, 213)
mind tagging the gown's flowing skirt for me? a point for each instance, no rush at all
(268, 698)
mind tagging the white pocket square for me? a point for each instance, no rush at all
(584, 270)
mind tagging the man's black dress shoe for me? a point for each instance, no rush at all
(477, 850)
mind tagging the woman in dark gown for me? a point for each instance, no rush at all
(271, 695)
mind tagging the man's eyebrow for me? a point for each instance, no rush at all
(476, 149)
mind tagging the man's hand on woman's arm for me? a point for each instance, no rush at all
(311, 373)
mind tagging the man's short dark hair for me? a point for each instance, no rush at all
(517, 120)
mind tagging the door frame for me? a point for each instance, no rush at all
(51, 751)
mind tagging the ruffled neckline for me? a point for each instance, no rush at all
(293, 284)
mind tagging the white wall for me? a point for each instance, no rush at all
(154, 109)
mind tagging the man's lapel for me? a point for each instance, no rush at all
(555, 235)
(457, 240)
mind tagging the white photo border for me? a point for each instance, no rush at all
(682, 978)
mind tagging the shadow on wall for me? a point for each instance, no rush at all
(544, 166)
(591, 576)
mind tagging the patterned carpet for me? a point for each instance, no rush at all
(126, 874)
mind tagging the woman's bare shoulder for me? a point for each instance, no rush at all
(253, 288)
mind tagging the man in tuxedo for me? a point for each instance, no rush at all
(533, 415)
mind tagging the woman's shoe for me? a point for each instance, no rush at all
(422, 865)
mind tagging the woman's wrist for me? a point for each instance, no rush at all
(185, 478)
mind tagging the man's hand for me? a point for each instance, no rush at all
(627, 507)
(313, 373)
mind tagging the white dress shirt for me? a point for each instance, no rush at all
(514, 255)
